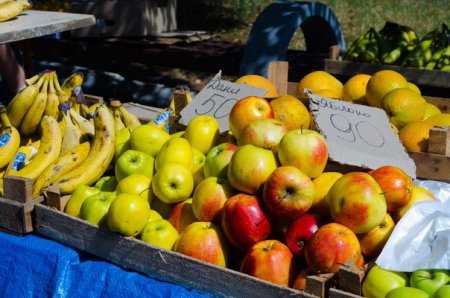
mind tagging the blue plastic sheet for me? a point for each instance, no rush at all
(35, 267)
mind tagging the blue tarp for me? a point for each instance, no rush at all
(35, 267)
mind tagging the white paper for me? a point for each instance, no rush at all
(421, 239)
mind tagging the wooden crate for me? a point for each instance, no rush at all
(433, 165)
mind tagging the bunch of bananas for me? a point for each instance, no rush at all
(365, 48)
(395, 41)
(9, 9)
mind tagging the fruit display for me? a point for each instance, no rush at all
(9, 9)
(399, 45)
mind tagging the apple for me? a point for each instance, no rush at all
(407, 292)
(107, 183)
(331, 246)
(173, 183)
(202, 241)
(176, 150)
(136, 185)
(250, 167)
(378, 282)
(270, 260)
(160, 233)
(198, 161)
(373, 242)
(122, 142)
(96, 207)
(128, 214)
(443, 292)
(264, 133)
(153, 215)
(209, 197)
(322, 186)
(429, 281)
(288, 193)
(217, 160)
(134, 162)
(304, 149)
(247, 110)
(244, 221)
(148, 138)
(300, 231)
(81, 193)
(396, 186)
(418, 194)
(357, 201)
(178, 134)
(291, 111)
(182, 215)
(300, 281)
(202, 132)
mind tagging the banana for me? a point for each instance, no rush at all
(51, 108)
(22, 102)
(130, 120)
(22, 157)
(72, 134)
(34, 115)
(49, 149)
(85, 125)
(12, 9)
(84, 109)
(9, 139)
(75, 80)
(100, 156)
(32, 80)
(118, 124)
(62, 95)
(65, 163)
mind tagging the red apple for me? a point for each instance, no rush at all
(264, 133)
(300, 231)
(396, 186)
(182, 215)
(332, 246)
(270, 260)
(244, 222)
(246, 110)
(288, 193)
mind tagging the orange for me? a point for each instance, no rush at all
(291, 111)
(381, 83)
(319, 80)
(414, 136)
(430, 110)
(442, 120)
(414, 88)
(329, 93)
(404, 106)
(259, 82)
(355, 88)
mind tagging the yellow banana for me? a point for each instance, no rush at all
(11, 9)
(51, 108)
(130, 120)
(9, 139)
(32, 80)
(22, 102)
(84, 109)
(49, 149)
(65, 163)
(22, 157)
(72, 134)
(93, 108)
(62, 95)
(100, 156)
(75, 80)
(118, 124)
(85, 125)
(34, 115)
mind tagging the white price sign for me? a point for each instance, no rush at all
(359, 135)
(217, 99)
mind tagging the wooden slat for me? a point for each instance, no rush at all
(158, 263)
(349, 279)
(15, 217)
(432, 166)
(319, 285)
(335, 293)
(292, 88)
(439, 141)
(144, 113)
(278, 75)
(18, 189)
(54, 199)
(442, 103)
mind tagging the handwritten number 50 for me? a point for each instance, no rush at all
(209, 106)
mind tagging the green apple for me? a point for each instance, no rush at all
(148, 138)
(95, 208)
(81, 193)
(202, 132)
(217, 160)
(162, 208)
(198, 161)
(179, 134)
(250, 167)
(429, 280)
(160, 233)
(134, 162)
(176, 150)
(173, 183)
(122, 142)
(379, 282)
(407, 292)
(136, 184)
(128, 214)
(443, 292)
(153, 215)
(107, 183)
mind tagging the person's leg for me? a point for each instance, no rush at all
(10, 69)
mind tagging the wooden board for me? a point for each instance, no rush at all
(432, 166)
(165, 265)
(34, 23)
(432, 78)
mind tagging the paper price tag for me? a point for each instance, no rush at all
(359, 135)
(217, 99)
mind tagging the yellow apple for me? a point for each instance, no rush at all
(373, 242)
(418, 194)
(198, 161)
(148, 138)
(173, 183)
(202, 132)
(160, 233)
(136, 185)
(175, 150)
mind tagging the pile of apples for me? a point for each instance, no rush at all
(259, 202)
